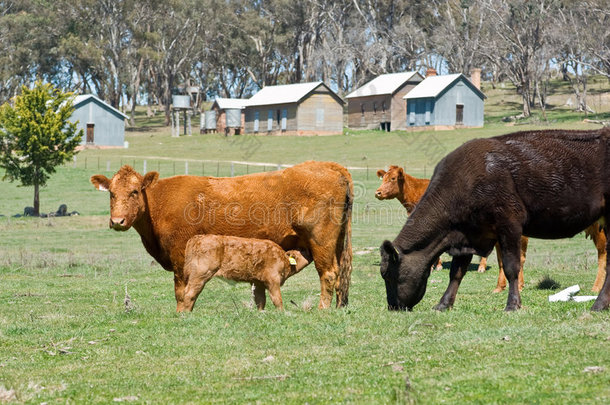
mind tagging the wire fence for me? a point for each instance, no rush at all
(216, 168)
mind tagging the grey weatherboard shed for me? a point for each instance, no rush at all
(102, 124)
(445, 102)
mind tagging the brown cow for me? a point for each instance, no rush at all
(307, 207)
(409, 190)
(258, 261)
(545, 184)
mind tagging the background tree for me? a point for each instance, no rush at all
(36, 136)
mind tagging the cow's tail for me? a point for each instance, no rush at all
(345, 256)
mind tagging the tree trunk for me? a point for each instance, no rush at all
(36, 199)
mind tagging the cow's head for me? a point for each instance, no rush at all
(126, 195)
(405, 279)
(299, 259)
(392, 183)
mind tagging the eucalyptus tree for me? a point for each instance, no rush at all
(518, 42)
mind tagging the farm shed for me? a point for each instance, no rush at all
(102, 124)
(229, 115)
(301, 109)
(445, 102)
(379, 103)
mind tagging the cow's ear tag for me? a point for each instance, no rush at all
(292, 260)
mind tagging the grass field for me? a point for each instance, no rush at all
(67, 335)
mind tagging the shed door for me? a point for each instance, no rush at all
(459, 114)
(90, 136)
(256, 121)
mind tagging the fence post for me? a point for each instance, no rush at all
(174, 168)
(144, 167)
(186, 167)
(74, 166)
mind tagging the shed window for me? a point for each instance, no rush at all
(362, 108)
(256, 117)
(459, 114)
(374, 107)
(269, 120)
(383, 108)
(428, 105)
(412, 114)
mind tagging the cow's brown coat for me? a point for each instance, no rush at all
(307, 206)
(258, 261)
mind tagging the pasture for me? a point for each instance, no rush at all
(87, 317)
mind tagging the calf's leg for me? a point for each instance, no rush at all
(459, 265)
(197, 276)
(276, 295)
(260, 299)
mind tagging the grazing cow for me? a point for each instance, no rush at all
(258, 261)
(307, 207)
(409, 190)
(544, 184)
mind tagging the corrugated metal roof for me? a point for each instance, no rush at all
(84, 97)
(283, 94)
(432, 86)
(384, 84)
(230, 103)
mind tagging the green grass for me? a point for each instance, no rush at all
(66, 337)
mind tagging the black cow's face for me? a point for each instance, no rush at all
(405, 286)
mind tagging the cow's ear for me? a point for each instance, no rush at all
(100, 182)
(401, 173)
(388, 248)
(150, 178)
(380, 173)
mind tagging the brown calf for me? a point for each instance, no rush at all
(258, 261)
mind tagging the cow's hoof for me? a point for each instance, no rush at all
(438, 267)
(481, 269)
(441, 307)
(598, 306)
(512, 307)
(498, 290)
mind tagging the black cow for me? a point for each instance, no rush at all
(545, 184)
